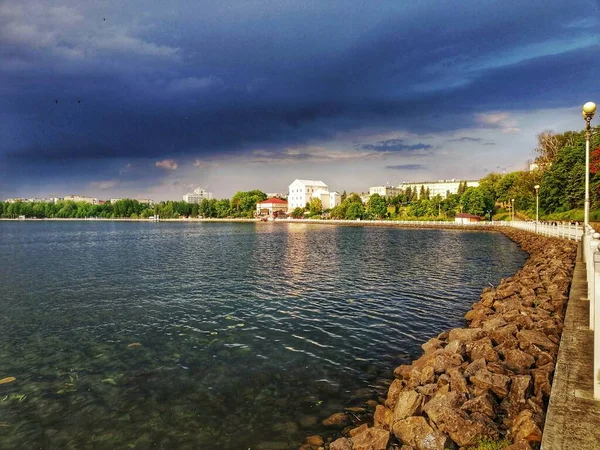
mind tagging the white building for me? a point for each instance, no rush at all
(328, 199)
(384, 191)
(197, 196)
(82, 198)
(441, 187)
(271, 206)
(301, 192)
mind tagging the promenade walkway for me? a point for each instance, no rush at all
(573, 417)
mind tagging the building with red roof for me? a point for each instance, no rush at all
(271, 207)
(466, 218)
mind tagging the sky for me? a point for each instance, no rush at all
(150, 99)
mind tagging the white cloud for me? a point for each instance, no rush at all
(167, 164)
(64, 34)
(131, 45)
(500, 120)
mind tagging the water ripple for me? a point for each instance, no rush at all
(255, 325)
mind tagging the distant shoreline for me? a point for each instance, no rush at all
(392, 223)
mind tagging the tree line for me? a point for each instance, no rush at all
(242, 204)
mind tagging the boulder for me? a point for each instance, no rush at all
(490, 428)
(428, 390)
(427, 375)
(458, 383)
(416, 432)
(432, 345)
(500, 368)
(315, 441)
(516, 400)
(409, 404)
(358, 430)
(383, 417)
(525, 428)
(393, 392)
(482, 348)
(336, 420)
(456, 423)
(501, 334)
(493, 324)
(541, 383)
(455, 347)
(474, 367)
(341, 444)
(484, 404)
(465, 334)
(534, 337)
(442, 361)
(518, 360)
(371, 439)
(498, 384)
(403, 371)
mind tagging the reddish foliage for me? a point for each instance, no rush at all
(595, 161)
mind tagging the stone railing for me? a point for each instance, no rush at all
(561, 230)
(591, 257)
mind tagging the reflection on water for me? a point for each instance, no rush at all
(217, 336)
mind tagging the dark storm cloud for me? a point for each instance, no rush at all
(394, 145)
(407, 167)
(191, 80)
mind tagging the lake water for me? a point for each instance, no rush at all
(218, 336)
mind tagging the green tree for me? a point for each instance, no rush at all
(355, 211)
(376, 206)
(243, 204)
(476, 201)
(316, 206)
(297, 213)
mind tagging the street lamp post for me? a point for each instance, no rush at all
(537, 205)
(512, 209)
(588, 113)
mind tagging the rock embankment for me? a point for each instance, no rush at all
(488, 381)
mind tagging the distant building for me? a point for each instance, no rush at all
(82, 198)
(533, 167)
(441, 187)
(197, 196)
(275, 194)
(328, 199)
(364, 197)
(15, 200)
(466, 218)
(301, 192)
(384, 191)
(145, 201)
(271, 207)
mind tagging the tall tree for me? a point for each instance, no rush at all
(376, 206)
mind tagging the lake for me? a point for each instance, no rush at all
(218, 336)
